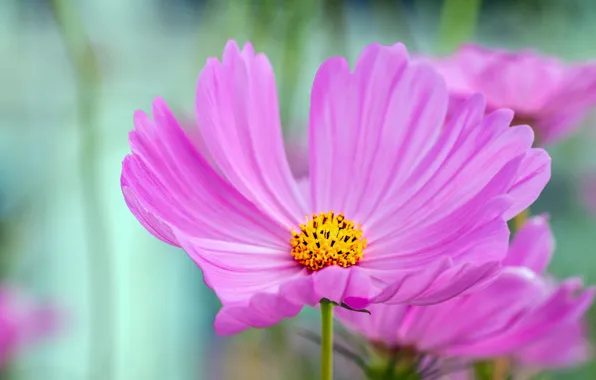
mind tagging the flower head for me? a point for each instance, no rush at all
(546, 94)
(522, 315)
(398, 206)
(22, 322)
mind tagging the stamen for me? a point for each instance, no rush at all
(328, 239)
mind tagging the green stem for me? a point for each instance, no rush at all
(326, 340)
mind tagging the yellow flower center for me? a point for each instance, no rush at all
(327, 239)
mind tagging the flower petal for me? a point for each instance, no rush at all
(482, 314)
(263, 310)
(534, 174)
(543, 316)
(480, 234)
(237, 272)
(519, 80)
(238, 114)
(533, 245)
(565, 347)
(552, 96)
(434, 284)
(409, 284)
(552, 128)
(466, 278)
(285, 301)
(456, 204)
(174, 188)
(334, 283)
(369, 129)
(155, 226)
(480, 154)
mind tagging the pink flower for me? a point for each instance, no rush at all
(398, 206)
(22, 322)
(522, 314)
(545, 93)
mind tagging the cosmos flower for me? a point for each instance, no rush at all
(23, 322)
(550, 96)
(523, 315)
(398, 206)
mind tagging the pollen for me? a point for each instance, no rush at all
(327, 239)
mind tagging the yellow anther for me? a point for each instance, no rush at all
(327, 239)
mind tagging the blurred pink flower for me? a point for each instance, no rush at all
(522, 315)
(425, 203)
(23, 322)
(545, 93)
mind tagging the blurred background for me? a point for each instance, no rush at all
(71, 75)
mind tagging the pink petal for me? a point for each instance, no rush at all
(480, 154)
(471, 233)
(475, 317)
(576, 91)
(569, 105)
(152, 224)
(169, 186)
(553, 128)
(567, 346)
(518, 315)
(276, 303)
(263, 310)
(561, 307)
(533, 245)
(468, 278)
(520, 80)
(238, 114)
(534, 174)
(555, 97)
(459, 323)
(191, 129)
(334, 283)
(236, 272)
(465, 172)
(369, 129)
(466, 119)
(435, 284)
(407, 285)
